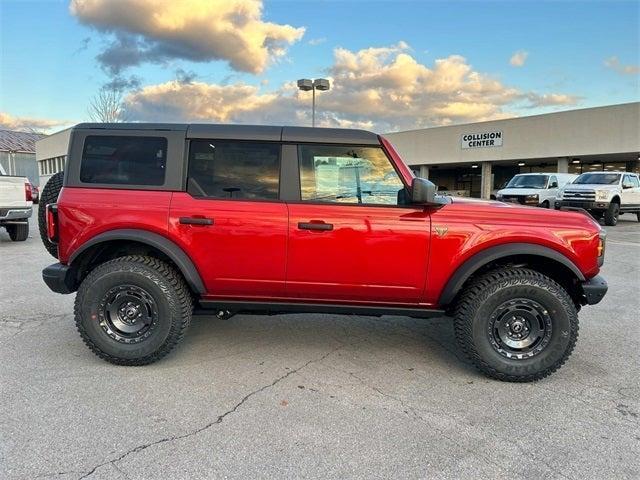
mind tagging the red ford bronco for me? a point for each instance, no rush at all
(152, 220)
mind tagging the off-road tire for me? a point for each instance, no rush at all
(163, 283)
(18, 232)
(480, 299)
(49, 195)
(611, 215)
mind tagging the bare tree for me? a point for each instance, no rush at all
(107, 106)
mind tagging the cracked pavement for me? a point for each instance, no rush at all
(314, 396)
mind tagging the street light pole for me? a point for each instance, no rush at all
(313, 107)
(305, 85)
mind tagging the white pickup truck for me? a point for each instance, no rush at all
(16, 204)
(603, 194)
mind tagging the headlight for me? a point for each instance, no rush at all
(531, 199)
(602, 195)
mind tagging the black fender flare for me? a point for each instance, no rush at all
(480, 259)
(166, 246)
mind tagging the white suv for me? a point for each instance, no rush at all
(607, 194)
(535, 189)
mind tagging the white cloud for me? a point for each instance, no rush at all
(551, 100)
(518, 58)
(27, 124)
(383, 89)
(196, 30)
(205, 102)
(317, 41)
(614, 64)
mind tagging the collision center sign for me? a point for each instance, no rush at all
(479, 140)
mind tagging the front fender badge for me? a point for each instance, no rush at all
(441, 230)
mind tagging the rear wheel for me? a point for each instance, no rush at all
(49, 195)
(133, 310)
(18, 232)
(516, 324)
(612, 214)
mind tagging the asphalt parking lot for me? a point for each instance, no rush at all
(314, 396)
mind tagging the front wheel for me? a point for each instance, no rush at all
(516, 324)
(611, 215)
(133, 310)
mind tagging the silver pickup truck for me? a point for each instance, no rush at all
(16, 204)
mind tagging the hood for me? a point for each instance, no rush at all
(491, 211)
(590, 186)
(519, 191)
(479, 201)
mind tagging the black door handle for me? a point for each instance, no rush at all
(196, 221)
(315, 226)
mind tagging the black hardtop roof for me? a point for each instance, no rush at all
(248, 132)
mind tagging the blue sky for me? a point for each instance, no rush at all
(49, 71)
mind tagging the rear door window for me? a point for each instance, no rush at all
(234, 169)
(124, 160)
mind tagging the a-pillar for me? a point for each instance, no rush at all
(486, 180)
(563, 165)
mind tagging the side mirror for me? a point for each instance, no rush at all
(423, 192)
(553, 185)
(626, 185)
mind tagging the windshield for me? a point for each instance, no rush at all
(528, 181)
(597, 179)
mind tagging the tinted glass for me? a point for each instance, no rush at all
(630, 181)
(228, 169)
(528, 181)
(597, 179)
(346, 174)
(123, 160)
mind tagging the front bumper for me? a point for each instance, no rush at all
(9, 214)
(60, 278)
(594, 289)
(586, 205)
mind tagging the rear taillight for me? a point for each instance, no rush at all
(52, 222)
(28, 195)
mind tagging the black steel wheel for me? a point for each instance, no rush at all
(516, 324)
(133, 310)
(128, 314)
(520, 328)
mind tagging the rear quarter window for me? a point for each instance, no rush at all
(124, 160)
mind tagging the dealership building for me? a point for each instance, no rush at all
(478, 158)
